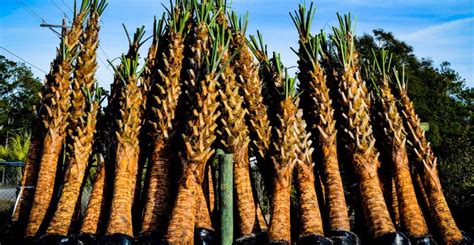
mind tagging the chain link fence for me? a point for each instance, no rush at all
(10, 177)
(10, 180)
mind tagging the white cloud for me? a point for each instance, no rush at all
(441, 29)
(451, 41)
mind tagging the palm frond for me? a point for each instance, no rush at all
(303, 19)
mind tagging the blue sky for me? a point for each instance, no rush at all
(440, 30)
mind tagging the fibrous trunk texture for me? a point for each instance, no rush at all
(126, 160)
(284, 160)
(83, 123)
(308, 206)
(74, 176)
(30, 175)
(198, 143)
(235, 138)
(163, 102)
(411, 217)
(97, 212)
(356, 103)
(319, 114)
(248, 78)
(91, 222)
(57, 103)
(426, 164)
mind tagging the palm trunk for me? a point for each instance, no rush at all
(308, 206)
(156, 209)
(355, 103)
(198, 151)
(95, 207)
(126, 156)
(395, 202)
(426, 165)
(127, 149)
(244, 196)
(335, 197)
(57, 111)
(284, 161)
(120, 221)
(280, 224)
(83, 124)
(235, 138)
(46, 178)
(319, 114)
(411, 217)
(203, 219)
(74, 177)
(373, 203)
(181, 227)
(29, 176)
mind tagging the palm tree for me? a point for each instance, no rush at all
(284, 158)
(148, 77)
(83, 118)
(235, 138)
(411, 217)
(126, 155)
(164, 94)
(95, 220)
(355, 103)
(29, 175)
(250, 85)
(56, 104)
(198, 140)
(424, 161)
(319, 113)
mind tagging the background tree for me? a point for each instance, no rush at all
(18, 94)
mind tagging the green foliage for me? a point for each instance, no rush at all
(16, 150)
(18, 146)
(19, 93)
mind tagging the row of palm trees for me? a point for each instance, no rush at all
(200, 90)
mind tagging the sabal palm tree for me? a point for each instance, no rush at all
(235, 136)
(86, 103)
(425, 163)
(198, 141)
(164, 93)
(250, 86)
(126, 155)
(284, 157)
(355, 102)
(411, 217)
(56, 105)
(319, 113)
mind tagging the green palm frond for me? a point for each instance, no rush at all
(220, 40)
(303, 19)
(203, 11)
(400, 78)
(311, 51)
(289, 85)
(343, 39)
(376, 69)
(17, 148)
(158, 28)
(178, 15)
(98, 6)
(238, 24)
(258, 47)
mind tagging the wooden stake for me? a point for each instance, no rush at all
(225, 200)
